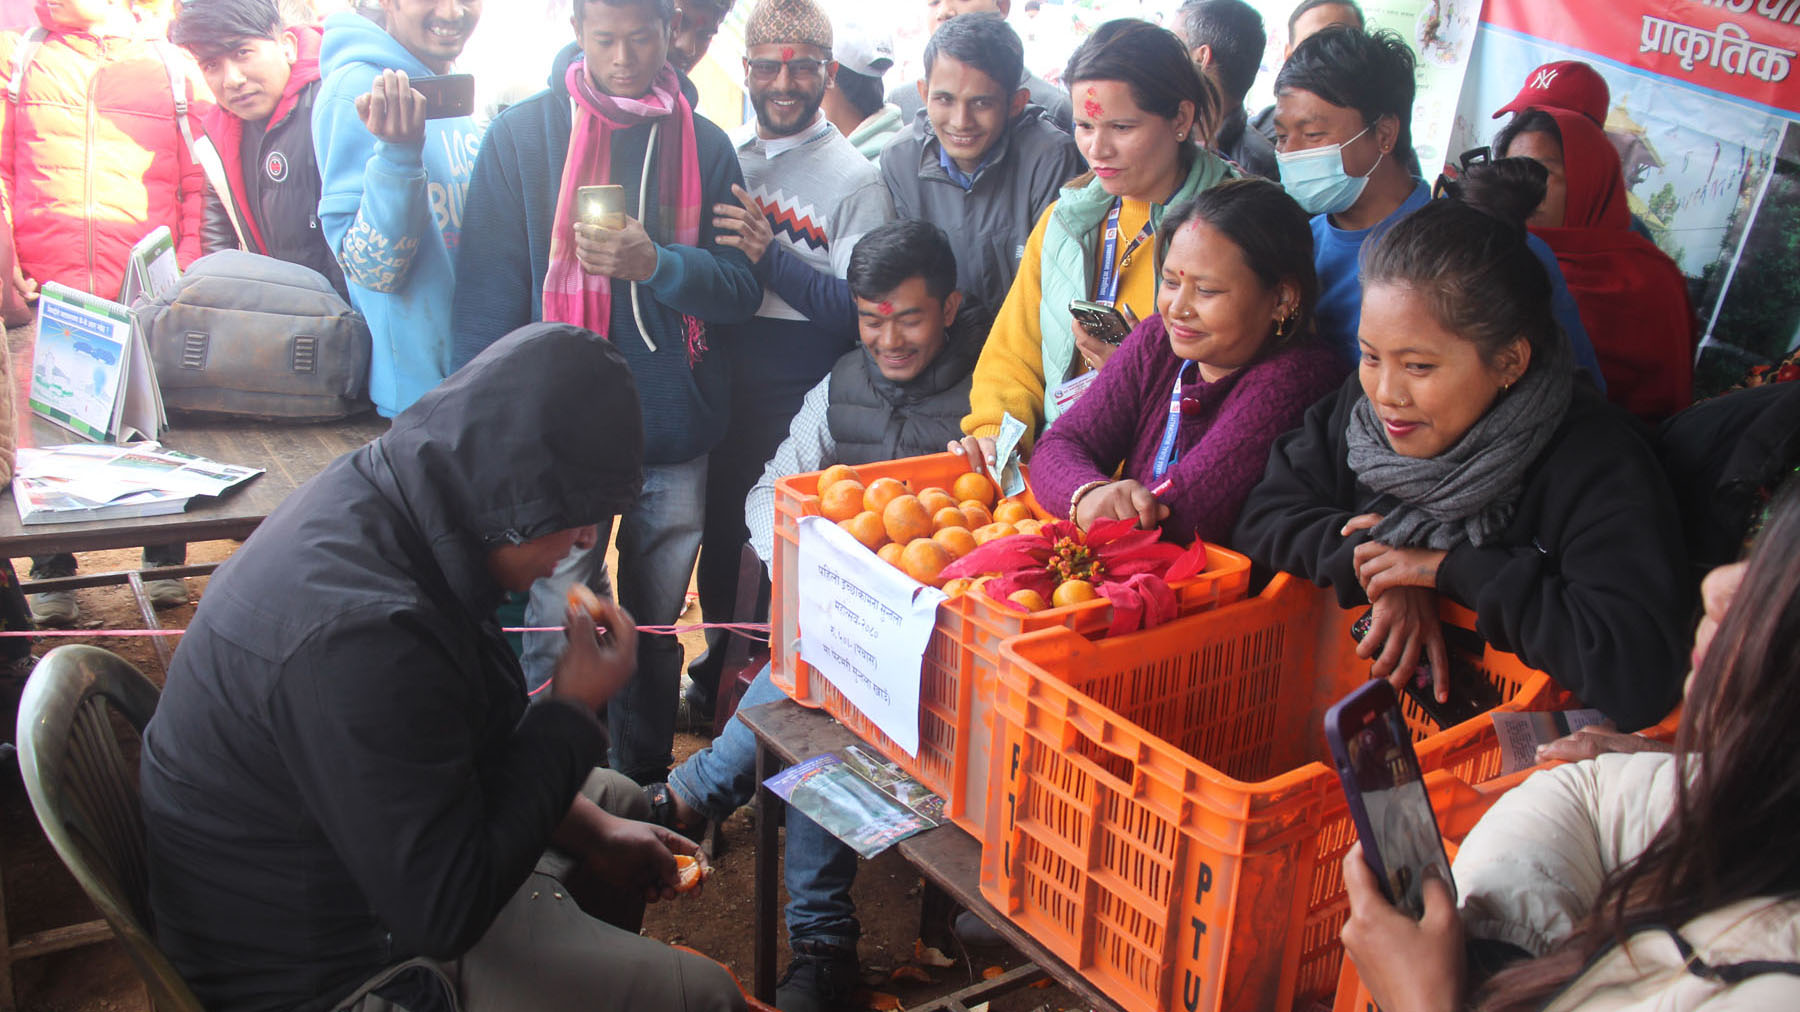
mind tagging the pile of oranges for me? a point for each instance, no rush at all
(921, 533)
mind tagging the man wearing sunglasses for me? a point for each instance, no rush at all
(808, 196)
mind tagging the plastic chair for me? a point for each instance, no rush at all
(85, 795)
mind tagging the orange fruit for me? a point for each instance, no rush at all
(890, 553)
(1072, 592)
(1030, 599)
(866, 528)
(843, 500)
(987, 533)
(960, 585)
(906, 520)
(882, 491)
(836, 473)
(976, 514)
(936, 499)
(974, 486)
(957, 539)
(688, 873)
(949, 516)
(1030, 525)
(1011, 511)
(924, 559)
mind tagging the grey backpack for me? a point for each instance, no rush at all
(251, 336)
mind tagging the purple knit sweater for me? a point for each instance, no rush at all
(1226, 430)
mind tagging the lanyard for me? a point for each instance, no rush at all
(1108, 290)
(1166, 452)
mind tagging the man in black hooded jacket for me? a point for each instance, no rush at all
(348, 801)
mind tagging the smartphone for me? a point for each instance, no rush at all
(448, 96)
(1471, 695)
(1101, 320)
(602, 205)
(1375, 761)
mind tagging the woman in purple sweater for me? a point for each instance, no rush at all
(1185, 413)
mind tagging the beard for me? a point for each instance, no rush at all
(766, 115)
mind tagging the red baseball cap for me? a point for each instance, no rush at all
(1565, 84)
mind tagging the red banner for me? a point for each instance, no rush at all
(1748, 48)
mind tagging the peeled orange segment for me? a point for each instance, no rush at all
(581, 597)
(688, 873)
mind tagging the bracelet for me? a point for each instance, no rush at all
(1075, 500)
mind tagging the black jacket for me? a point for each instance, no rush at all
(281, 194)
(1588, 584)
(343, 772)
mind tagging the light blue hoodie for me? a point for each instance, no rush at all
(393, 213)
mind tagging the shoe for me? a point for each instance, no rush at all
(820, 978)
(693, 712)
(55, 609)
(976, 933)
(166, 593)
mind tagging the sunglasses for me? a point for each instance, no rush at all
(1448, 187)
(764, 71)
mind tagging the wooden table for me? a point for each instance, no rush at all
(948, 858)
(290, 454)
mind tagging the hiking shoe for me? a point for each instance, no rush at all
(55, 609)
(166, 593)
(820, 978)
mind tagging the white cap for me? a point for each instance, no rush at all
(861, 48)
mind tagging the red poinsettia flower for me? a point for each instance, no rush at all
(1132, 568)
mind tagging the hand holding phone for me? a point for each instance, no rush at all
(602, 205)
(447, 96)
(1471, 695)
(1101, 320)
(1373, 752)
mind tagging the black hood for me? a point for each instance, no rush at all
(539, 433)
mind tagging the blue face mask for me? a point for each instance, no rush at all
(1316, 179)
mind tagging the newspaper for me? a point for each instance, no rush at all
(865, 801)
(101, 481)
(1521, 733)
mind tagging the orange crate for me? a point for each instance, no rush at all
(1168, 821)
(962, 656)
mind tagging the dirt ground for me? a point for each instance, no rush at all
(39, 893)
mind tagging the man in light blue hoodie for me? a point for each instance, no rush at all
(394, 184)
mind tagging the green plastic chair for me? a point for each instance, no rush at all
(85, 795)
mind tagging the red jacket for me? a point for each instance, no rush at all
(91, 159)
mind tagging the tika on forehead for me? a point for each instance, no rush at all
(787, 52)
(1092, 106)
(887, 308)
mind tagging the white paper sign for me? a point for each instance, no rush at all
(864, 626)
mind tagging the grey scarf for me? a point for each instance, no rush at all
(1469, 491)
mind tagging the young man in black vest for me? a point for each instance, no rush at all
(901, 394)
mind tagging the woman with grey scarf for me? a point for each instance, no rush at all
(1466, 459)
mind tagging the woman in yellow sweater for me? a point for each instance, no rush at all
(1141, 109)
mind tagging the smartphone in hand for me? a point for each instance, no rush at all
(1471, 694)
(1101, 320)
(602, 205)
(1375, 761)
(447, 96)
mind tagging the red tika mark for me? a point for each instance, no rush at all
(787, 52)
(887, 308)
(1091, 107)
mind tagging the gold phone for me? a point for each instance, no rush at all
(602, 205)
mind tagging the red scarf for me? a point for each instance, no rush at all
(1632, 297)
(571, 294)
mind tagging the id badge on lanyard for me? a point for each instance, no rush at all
(1107, 291)
(1166, 453)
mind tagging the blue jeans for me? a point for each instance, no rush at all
(659, 538)
(818, 869)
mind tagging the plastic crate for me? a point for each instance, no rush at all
(1167, 819)
(962, 657)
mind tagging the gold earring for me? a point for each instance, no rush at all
(1284, 327)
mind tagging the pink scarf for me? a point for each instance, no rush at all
(572, 295)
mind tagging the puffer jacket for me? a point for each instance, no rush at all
(1533, 867)
(91, 158)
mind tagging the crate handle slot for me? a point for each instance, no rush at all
(1084, 727)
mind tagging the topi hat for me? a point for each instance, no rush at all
(799, 22)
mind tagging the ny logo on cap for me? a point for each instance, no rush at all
(1542, 80)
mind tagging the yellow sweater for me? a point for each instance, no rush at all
(1009, 376)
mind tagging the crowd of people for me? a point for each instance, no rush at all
(358, 795)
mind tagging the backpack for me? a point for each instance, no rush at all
(250, 336)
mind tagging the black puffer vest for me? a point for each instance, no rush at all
(872, 418)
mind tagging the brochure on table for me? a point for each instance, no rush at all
(864, 626)
(865, 801)
(98, 481)
(91, 371)
(152, 270)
